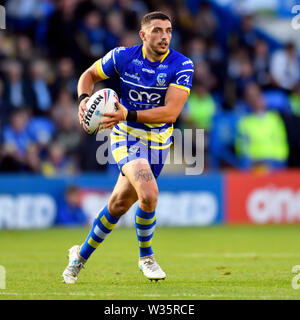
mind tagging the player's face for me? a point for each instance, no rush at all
(157, 36)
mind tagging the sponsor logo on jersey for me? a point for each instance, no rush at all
(133, 76)
(148, 70)
(137, 62)
(184, 79)
(133, 149)
(107, 57)
(138, 96)
(120, 49)
(161, 79)
(187, 62)
(162, 67)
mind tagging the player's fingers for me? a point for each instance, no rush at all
(121, 109)
(80, 117)
(110, 119)
(108, 114)
(84, 101)
(83, 107)
(109, 125)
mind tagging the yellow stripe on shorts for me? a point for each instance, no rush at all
(143, 221)
(161, 147)
(120, 153)
(161, 137)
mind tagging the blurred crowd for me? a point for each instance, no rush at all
(246, 94)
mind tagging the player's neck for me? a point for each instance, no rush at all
(152, 56)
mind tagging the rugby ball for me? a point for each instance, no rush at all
(100, 102)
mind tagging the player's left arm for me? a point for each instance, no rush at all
(174, 102)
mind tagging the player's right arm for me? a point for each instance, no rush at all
(102, 69)
(86, 84)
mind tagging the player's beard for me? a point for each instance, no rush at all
(160, 50)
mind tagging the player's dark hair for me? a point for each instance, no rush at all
(154, 15)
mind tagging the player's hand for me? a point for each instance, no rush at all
(82, 109)
(114, 118)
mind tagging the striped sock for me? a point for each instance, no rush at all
(102, 226)
(145, 224)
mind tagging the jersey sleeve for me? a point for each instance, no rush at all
(109, 65)
(183, 76)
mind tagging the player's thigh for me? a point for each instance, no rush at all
(140, 175)
(122, 197)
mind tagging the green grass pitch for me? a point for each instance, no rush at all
(217, 262)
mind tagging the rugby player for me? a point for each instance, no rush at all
(155, 84)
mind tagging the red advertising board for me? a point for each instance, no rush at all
(262, 198)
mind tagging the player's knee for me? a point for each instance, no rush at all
(148, 199)
(117, 207)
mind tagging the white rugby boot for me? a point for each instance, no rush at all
(150, 268)
(76, 263)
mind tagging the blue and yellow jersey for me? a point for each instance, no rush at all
(144, 85)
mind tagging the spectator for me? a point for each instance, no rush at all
(16, 136)
(68, 134)
(65, 78)
(261, 139)
(91, 37)
(41, 99)
(32, 159)
(285, 68)
(6, 46)
(203, 74)
(24, 50)
(57, 163)
(238, 67)
(116, 30)
(245, 76)
(128, 9)
(245, 35)
(16, 90)
(205, 22)
(69, 212)
(129, 39)
(261, 63)
(87, 153)
(3, 109)
(17, 153)
(196, 50)
(201, 107)
(61, 29)
(22, 14)
(64, 107)
(294, 99)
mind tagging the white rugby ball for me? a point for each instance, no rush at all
(100, 102)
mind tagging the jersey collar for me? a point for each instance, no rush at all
(161, 60)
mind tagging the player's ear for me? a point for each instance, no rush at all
(142, 35)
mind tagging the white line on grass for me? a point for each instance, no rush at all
(240, 255)
(85, 294)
